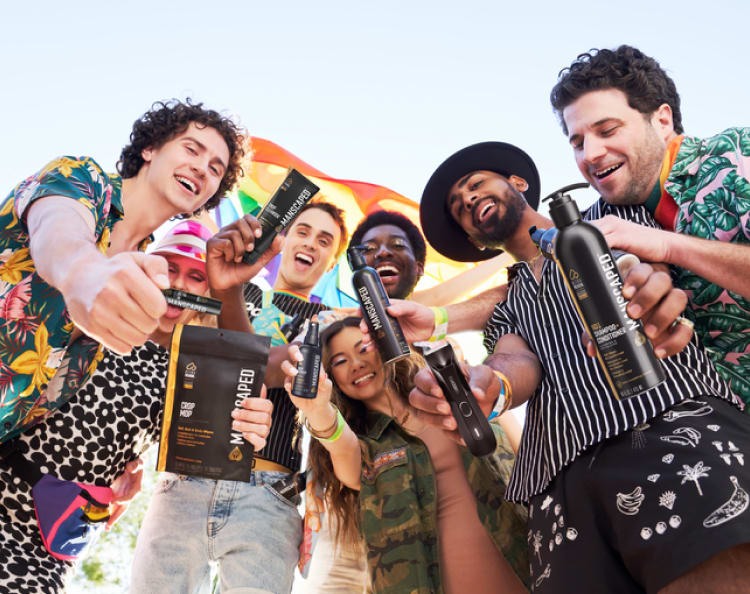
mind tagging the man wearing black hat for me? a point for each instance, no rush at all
(605, 479)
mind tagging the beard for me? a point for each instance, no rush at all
(495, 232)
(646, 166)
(405, 285)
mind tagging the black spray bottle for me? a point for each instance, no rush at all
(595, 285)
(306, 381)
(472, 425)
(384, 328)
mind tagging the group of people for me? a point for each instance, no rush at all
(595, 494)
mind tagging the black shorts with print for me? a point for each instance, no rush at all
(643, 508)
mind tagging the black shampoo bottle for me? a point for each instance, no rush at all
(595, 285)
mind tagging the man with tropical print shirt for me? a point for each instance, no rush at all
(72, 276)
(621, 114)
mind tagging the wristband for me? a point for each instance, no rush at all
(504, 399)
(338, 428)
(441, 324)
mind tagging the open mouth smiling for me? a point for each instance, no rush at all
(387, 271)
(304, 259)
(187, 184)
(602, 173)
(364, 378)
(482, 210)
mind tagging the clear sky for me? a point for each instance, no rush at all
(378, 91)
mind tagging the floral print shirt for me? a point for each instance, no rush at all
(39, 370)
(710, 182)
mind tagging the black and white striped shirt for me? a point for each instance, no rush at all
(279, 447)
(573, 407)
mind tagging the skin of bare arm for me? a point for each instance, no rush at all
(115, 300)
(724, 264)
(459, 286)
(512, 357)
(345, 453)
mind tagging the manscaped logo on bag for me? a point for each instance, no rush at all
(245, 384)
(235, 455)
(190, 371)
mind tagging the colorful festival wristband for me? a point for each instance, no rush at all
(441, 324)
(505, 395)
(340, 424)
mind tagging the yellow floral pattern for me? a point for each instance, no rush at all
(32, 343)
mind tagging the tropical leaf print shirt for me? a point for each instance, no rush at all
(38, 369)
(710, 183)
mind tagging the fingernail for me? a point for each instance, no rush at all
(448, 424)
(444, 408)
(650, 331)
(235, 413)
(235, 424)
(660, 353)
(258, 232)
(628, 291)
(634, 310)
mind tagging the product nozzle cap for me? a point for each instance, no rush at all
(355, 257)
(563, 208)
(312, 334)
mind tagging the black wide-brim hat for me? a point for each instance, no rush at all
(439, 227)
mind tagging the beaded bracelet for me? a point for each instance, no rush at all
(333, 432)
(441, 324)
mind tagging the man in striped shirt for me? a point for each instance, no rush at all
(624, 495)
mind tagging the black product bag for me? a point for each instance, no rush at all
(210, 372)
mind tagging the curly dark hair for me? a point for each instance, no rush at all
(336, 214)
(388, 217)
(644, 82)
(167, 119)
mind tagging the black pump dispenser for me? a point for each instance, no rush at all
(306, 381)
(589, 268)
(384, 328)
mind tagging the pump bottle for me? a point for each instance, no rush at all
(595, 285)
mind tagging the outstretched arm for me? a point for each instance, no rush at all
(116, 300)
(459, 286)
(724, 264)
(512, 357)
(346, 456)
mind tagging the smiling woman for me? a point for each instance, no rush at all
(377, 452)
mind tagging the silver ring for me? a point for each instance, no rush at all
(684, 322)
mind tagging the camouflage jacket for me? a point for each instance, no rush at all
(398, 508)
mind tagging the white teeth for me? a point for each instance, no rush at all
(186, 182)
(305, 258)
(607, 171)
(387, 268)
(363, 378)
(485, 210)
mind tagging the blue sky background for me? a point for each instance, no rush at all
(379, 92)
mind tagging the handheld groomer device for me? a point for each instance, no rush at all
(472, 424)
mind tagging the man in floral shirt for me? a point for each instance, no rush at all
(72, 275)
(621, 113)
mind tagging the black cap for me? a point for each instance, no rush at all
(440, 229)
(355, 257)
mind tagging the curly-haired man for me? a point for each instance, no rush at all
(621, 114)
(73, 275)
